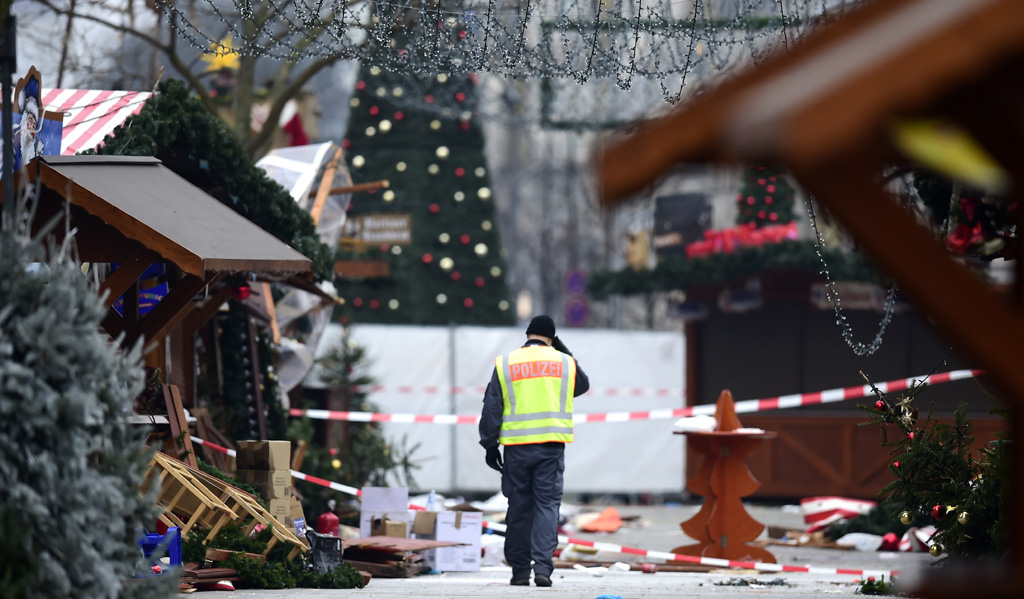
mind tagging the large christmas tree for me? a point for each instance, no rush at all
(70, 464)
(453, 268)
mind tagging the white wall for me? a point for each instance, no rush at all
(626, 457)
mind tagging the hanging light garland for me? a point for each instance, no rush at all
(859, 348)
(663, 41)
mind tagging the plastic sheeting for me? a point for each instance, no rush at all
(640, 456)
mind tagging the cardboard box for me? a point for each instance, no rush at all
(456, 527)
(270, 484)
(391, 503)
(404, 517)
(386, 527)
(279, 509)
(263, 455)
(296, 518)
(289, 513)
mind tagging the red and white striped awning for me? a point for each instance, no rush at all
(91, 114)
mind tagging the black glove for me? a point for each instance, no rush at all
(494, 458)
(557, 344)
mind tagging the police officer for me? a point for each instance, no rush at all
(528, 409)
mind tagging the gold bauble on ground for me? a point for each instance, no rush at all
(935, 550)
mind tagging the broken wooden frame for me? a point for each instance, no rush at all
(190, 497)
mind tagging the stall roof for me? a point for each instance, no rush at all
(147, 202)
(89, 115)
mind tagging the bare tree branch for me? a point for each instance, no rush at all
(257, 144)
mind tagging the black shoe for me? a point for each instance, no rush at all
(521, 582)
(541, 580)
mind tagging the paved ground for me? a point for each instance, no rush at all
(660, 532)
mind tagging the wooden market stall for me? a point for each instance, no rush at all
(825, 109)
(136, 212)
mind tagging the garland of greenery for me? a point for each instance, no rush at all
(234, 345)
(278, 572)
(679, 273)
(175, 126)
(277, 418)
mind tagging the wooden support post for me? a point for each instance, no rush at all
(118, 282)
(179, 425)
(324, 190)
(172, 309)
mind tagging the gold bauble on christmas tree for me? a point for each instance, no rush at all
(963, 518)
(935, 550)
(906, 518)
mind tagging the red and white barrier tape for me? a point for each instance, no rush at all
(707, 561)
(747, 406)
(477, 391)
(710, 561)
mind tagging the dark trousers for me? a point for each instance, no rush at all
(532, 481)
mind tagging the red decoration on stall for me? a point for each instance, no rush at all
(360, 85)
(480, 281)
(399, 115)
(374, 111)
(459, 171)
(242, 292)
(427, 258)
(456, 275)
(464, 239)
(357, 302)
(468, 302)
(460, 97)
(374, 304)
(429, 98)
(434, 208)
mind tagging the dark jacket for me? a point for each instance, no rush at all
(494, 404)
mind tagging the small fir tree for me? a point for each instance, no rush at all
(363, 456)
(70, 464)
(765, 199)
(965, 495)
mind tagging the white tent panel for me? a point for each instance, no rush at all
(613, 457)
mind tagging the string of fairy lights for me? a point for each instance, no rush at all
(860, 348)
(670, 42)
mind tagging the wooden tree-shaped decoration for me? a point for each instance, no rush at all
(722, 527)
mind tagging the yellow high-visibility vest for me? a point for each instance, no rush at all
(537, 384)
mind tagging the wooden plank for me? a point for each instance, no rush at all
(219, 555)
(275, 328)
(205, 311)
(299, 454)
(182, 424)
(130, 270)
(324, 190)
(171, 310)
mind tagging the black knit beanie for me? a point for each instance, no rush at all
(541, 325)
